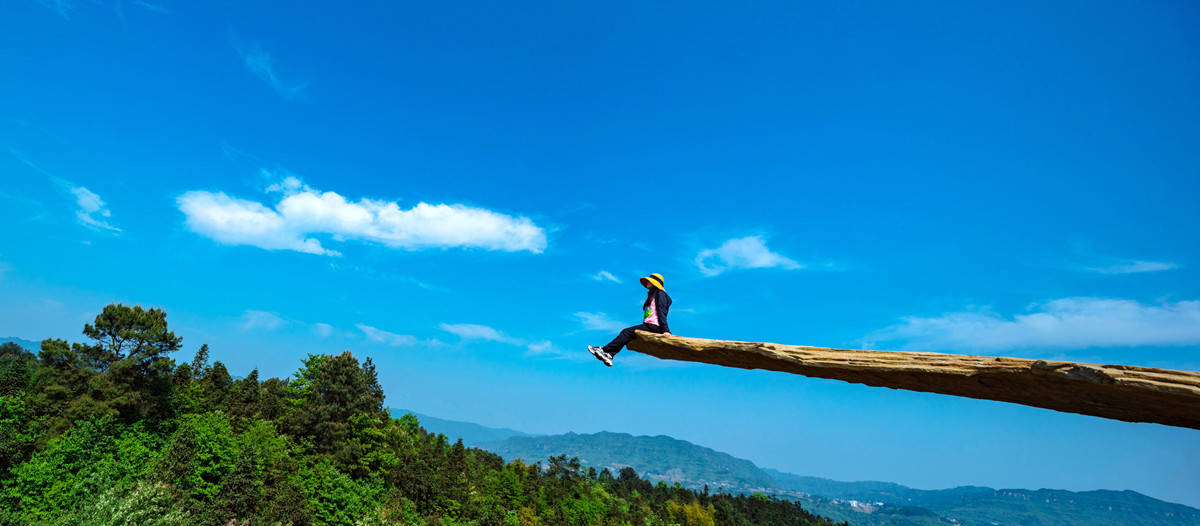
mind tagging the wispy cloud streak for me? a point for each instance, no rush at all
(62, 7)
(262, 320)
(533, 349)
(92, 211)
(157, 8)
(605, 275)
(259, 62)
(547, 349)
(1133, 266)
(471, 331)
(598, 321)
(90, 206)
(385, 337)
(323, 330)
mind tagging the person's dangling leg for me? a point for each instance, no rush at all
(627, 335)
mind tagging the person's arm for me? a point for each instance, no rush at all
(662, 303)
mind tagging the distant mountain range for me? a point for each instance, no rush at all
(886, 503)
(860, 503)
(655, 458)
(471, 434)
(30, 346)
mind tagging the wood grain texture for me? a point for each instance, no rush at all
(1121, 392)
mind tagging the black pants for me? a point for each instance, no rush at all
(627, 335)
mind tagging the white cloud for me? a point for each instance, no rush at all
(304, 212)
(322, 329)
(605, 275)
(88, 201)
(1133, 266)
(598, 321)
(1067, 323)
(738, 253)
(257, 319)
(385, 337)
(241, 222)
(259, 62)
(471, 331)
(289, 185)
(90, 206)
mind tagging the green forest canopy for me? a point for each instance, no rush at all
(115, 431)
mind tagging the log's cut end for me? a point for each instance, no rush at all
(1121, 392)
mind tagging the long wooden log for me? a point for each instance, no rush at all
(1121, 392)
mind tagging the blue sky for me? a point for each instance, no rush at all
(468, 195)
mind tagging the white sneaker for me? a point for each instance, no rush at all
(600, 355)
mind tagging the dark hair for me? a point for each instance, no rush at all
(649, 296)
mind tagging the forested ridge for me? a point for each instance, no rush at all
(116, 431)
(655, 458)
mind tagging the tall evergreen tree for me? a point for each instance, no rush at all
(329, 390)
(130, 351)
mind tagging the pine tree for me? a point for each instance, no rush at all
(329, 390)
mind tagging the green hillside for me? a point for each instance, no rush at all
(115, 431)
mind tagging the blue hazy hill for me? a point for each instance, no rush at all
(471, 434)
(29, 345)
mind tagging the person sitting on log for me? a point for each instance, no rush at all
(654, 319)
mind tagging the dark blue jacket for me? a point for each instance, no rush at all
(662, 303)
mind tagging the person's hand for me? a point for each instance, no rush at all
(666, 334)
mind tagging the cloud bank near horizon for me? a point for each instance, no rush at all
(1066, 323)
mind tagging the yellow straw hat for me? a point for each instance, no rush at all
(656, 280)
